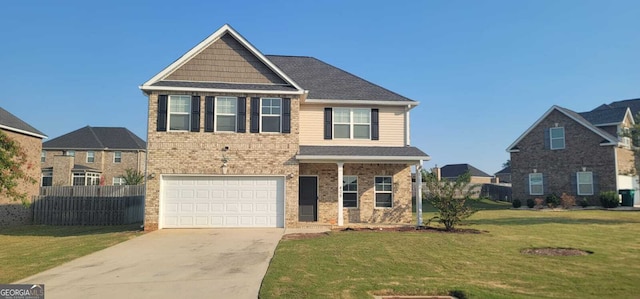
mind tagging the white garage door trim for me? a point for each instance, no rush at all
(202, 201)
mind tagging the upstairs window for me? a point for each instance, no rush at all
(179, 112)
(352, 123)
(117, 157)
(350, 191)
(536, 184)
(226, 110)
(585, 182)
(70, 153)
(270, 114)
(43, 156)
(557, 138)
(91, 157)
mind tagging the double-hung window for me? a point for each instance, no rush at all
(47, 178)
(43, 156)
(117, 157)
(585, 182)
(352, 123)
(536, 186)
(350, 191)
(270, 117)
(91, 156)
(226, 111)
(557, 138)
(383, 192)
(179, 112)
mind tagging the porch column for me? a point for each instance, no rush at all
(340, 195)
(419, 193)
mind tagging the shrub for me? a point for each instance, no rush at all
(609, 199)
(584, 203)
(539, 203)
(530, 203)
(516, 203)
(552, 200)
(567, 201)
(450, 197)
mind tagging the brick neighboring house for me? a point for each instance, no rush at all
(30, 140)
(580, 154)
(452, 171)
(91, 154)
(241, 139)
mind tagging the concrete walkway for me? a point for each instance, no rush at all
(185, 263)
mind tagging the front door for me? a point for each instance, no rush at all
(308, 201)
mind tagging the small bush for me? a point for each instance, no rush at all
(539, 203)
(609, 199)
(584, 203)
(552, 200)
(530, 203)
(567, 201)
(516, 203)
(460, 294)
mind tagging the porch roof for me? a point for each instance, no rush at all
(364, 154)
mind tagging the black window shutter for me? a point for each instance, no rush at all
(195, 114)
(286, 115)
(328, 123)
(209, 109)
(526, 185)
(375, 124)
(162, 113)
(255, 115)
(545, 188)
(547, 138)
(574, 182)
(242, 115)
(596, 185)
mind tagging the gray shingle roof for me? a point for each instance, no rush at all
(602, 115)
(97, 138)
(579, 117)
(218, 85)
(13, 122)
(372, 151)
(505, 170)
(327, 82)
(454, 170)
(633, 104)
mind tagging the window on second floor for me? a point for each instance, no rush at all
(70, 153)
(91, 156)
(557, 138)
(352, 123)
(117, 157)
(43, 156)
(226, 111)
(270, 114)
(179, 112)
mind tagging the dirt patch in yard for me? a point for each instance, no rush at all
(302, 236)
(551, 251)
(425, 229)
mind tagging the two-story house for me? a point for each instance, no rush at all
(241, 139)
(29, 140)
(91, 156)
(581, 154)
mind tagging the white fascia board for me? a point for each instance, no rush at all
(365, 159)
(23, 132)
(630, 115)
(189, 89)
(207, 42)
(362, 102)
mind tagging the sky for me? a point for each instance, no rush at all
(483, 71)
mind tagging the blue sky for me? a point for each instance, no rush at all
(483, 71)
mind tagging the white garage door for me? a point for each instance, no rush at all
(222, 201)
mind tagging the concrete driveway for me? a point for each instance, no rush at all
(185, 263)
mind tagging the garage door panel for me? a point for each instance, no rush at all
(223, 201)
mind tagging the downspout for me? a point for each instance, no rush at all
(615, 161)
(407, 124)
(419, 193)
(340, 195)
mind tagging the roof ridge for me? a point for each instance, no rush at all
(95, 135)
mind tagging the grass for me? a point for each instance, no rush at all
(488, 265)
(27, 250)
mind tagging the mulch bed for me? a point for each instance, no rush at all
(550, 251)
(425, 229)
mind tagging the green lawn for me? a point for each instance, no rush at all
(27, 250)
(488, 265)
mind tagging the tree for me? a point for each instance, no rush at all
(12, 160)
(506, 164)
(450, 198)
(133, 177)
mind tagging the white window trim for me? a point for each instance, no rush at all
(70, 153)
(114, 157)
(120, 180)
(279, 115)
(564, 141)
(46, 174)
(93, 156)
(578, 182)
(541, 183)
(169, 112)
(351, 192)
(376, 192)
(43, 156)
(351, 123)
(89, 177)
(235, 115)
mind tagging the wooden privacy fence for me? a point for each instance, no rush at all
(72, 206)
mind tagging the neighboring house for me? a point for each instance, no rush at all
(91, 156)
(580, 154)
(30, 140)
(504, 175)
(241, 139)
(452, 171)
